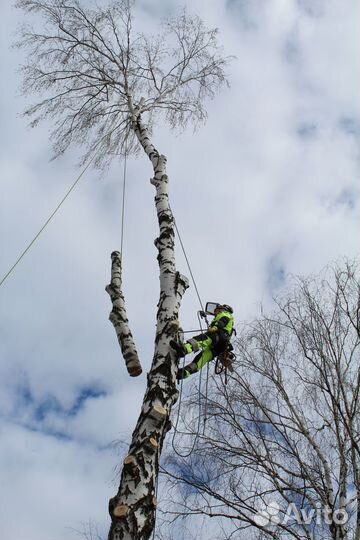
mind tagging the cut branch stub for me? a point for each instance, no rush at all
(121, 511)
(130, 461)
(119, 318)
(152, 443)
(173, 327)
(158, 413)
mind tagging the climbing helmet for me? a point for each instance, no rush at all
(225, 307)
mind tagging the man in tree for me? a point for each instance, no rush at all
(212, 343)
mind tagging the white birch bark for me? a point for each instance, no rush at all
(119, 318)
(132, 510)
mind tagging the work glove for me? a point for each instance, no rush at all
(182, 374)
(178, 347)
(212, 330)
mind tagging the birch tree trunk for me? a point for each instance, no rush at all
(116, 65)
(132, 510)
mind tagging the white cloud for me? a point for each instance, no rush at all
(269, 186)
(52, 481)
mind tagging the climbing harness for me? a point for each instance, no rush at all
(224, 363)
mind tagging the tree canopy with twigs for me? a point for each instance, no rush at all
(92, 69)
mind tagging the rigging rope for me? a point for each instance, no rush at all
(200, 376)
(187, 260)
(197, 433)
(206, 397)
(72, 187)
(46, 223)
(123, 193)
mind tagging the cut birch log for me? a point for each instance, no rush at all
(119, 318)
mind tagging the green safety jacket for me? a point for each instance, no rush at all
(219, 333)
(223, 321)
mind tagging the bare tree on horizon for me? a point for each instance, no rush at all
(284, 435)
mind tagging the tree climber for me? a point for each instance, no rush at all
(213, 342)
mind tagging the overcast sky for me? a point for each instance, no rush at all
(267, 188)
